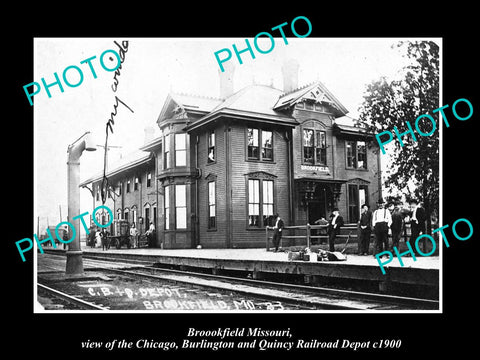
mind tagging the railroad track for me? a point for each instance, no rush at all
(77, 302)
(325, 298)
(308, 296)
(300, 294)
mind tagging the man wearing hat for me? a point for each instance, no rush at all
(381, 221)
(397, 223)
(333, 230)
(417, 220)
(365, 224)
(277, 231)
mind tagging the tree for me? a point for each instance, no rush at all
(388, 103)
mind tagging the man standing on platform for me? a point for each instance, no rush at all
(334, 226)
(277, 231)
(417, 221)
(365, 230)
(397, 223)
(381, 222)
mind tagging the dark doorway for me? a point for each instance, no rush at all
(316, 210)
(317, 207)
(147, 219)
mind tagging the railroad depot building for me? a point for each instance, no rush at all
(222, 167)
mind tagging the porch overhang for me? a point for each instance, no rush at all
(307, 187)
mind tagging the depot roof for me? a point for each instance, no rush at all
(127, 162)
(253, 102)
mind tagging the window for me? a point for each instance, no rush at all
(135, 185)
(211, 206)
(252, 151)
(267, 201)
(166, 153)
(211, 147)
(125, 214)
(351, 158)
(308, 146)
(149, 179)
(356, 154)
(260, 202)
(311, 106)
(314, 147)
(98, 193)
(361, 155)
(254, 203)
(166, 198)
(267, 146)
(120, 188)
(102, 217)
(128, 186)
(320, 147)
(181, 149)
(256, 137)
(181, 206)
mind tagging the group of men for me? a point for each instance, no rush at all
(390, 220)
(383, 221)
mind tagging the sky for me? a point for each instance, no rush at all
(152, 68)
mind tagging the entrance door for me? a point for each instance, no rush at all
(147, 218)
(357, 196)
(316, 210)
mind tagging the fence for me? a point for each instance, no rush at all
(351, 228)
(308, 233)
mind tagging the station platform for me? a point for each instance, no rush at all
(424, 272)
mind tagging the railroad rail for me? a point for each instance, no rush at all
(85, 305)
(299, 294)
(303, 295)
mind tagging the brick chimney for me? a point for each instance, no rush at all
(290, 75)
(226, 80)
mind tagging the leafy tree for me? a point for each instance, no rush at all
(388, 103)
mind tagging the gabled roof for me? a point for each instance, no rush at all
(253, 102)
(127, 162)
(196, 102)
(189, 103)
(315, 91)
(253, 98)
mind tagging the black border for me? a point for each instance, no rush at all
(59, 335)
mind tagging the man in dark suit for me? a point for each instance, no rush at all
(417, 221)
(397, 223)
(277, 231)
(334, 225)
(365, 230)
